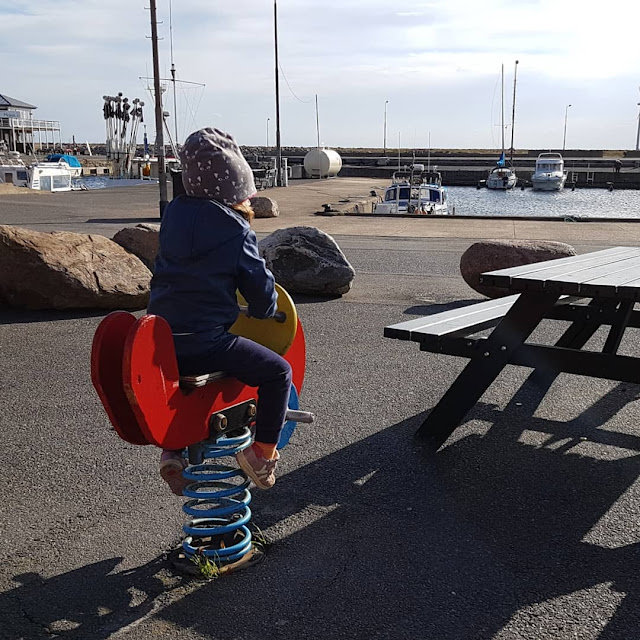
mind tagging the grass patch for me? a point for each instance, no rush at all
(207, 567)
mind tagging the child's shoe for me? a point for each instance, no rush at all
(172, 464)
(259, 469)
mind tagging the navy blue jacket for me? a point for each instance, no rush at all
(207, 251)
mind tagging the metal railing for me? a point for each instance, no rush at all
(30, 124)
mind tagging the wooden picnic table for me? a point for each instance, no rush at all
(589, 290)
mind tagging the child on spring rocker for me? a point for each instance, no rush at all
(207, 252)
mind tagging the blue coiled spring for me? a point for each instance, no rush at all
(219, 501)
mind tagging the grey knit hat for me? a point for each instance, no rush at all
(213, 167)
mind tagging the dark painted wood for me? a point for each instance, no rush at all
(464, 319)
(484, 367)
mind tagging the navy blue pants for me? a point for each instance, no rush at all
(252, 364)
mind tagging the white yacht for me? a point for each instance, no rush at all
(414, 191)
(41, 176)
(501, 177)
(549, 174)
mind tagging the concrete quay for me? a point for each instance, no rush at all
(525, 526)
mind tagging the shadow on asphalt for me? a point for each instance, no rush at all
(9, 315)
(78, 604)
(432, 309)
(380, 542)
(301, 299)
(127, 221)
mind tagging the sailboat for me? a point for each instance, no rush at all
(502, 177)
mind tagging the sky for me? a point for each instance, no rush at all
(436, 62)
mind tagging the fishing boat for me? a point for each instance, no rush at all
(502, 177)
(414, 191)
(549, 174)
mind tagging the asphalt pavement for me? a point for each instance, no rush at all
(525, 526)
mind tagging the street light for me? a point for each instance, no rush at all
(268, 131)
(638, 134)
(384, 153)
(564, 137)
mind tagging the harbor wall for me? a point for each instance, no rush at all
(471, 177)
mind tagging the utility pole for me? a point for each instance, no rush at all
(278, 147)
(638, 134)
(162, 173)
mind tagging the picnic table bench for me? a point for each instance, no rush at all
(589, 291)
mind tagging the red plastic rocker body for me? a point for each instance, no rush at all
(135, 372)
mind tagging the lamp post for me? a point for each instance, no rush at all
(564, 137)
(638, 134)
(268, 131)
(384, 152)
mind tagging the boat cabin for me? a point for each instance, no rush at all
(549, 162)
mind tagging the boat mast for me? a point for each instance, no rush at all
(513, 112)
(173, 75)
(502, 116)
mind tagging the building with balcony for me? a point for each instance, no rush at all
(20, 131)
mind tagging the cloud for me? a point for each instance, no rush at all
(434, 60)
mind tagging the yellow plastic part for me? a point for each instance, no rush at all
(275, 335)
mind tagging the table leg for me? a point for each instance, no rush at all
(484, 367)
(617, 330)
(575, 337)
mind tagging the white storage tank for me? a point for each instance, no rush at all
(322, 163)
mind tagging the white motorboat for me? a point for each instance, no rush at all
(414, 191)
(549, 174)
(73, 164)
(502, 177)
(41, 176)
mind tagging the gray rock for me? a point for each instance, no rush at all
(141, 240)
(265, 207)
(64, 270)
(307, 260)
(490, 255)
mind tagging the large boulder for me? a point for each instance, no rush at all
(64, 270)
(264, 207)
(141, 240)
(307, 260)
(490, 255)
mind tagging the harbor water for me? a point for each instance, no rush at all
(578, 204)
